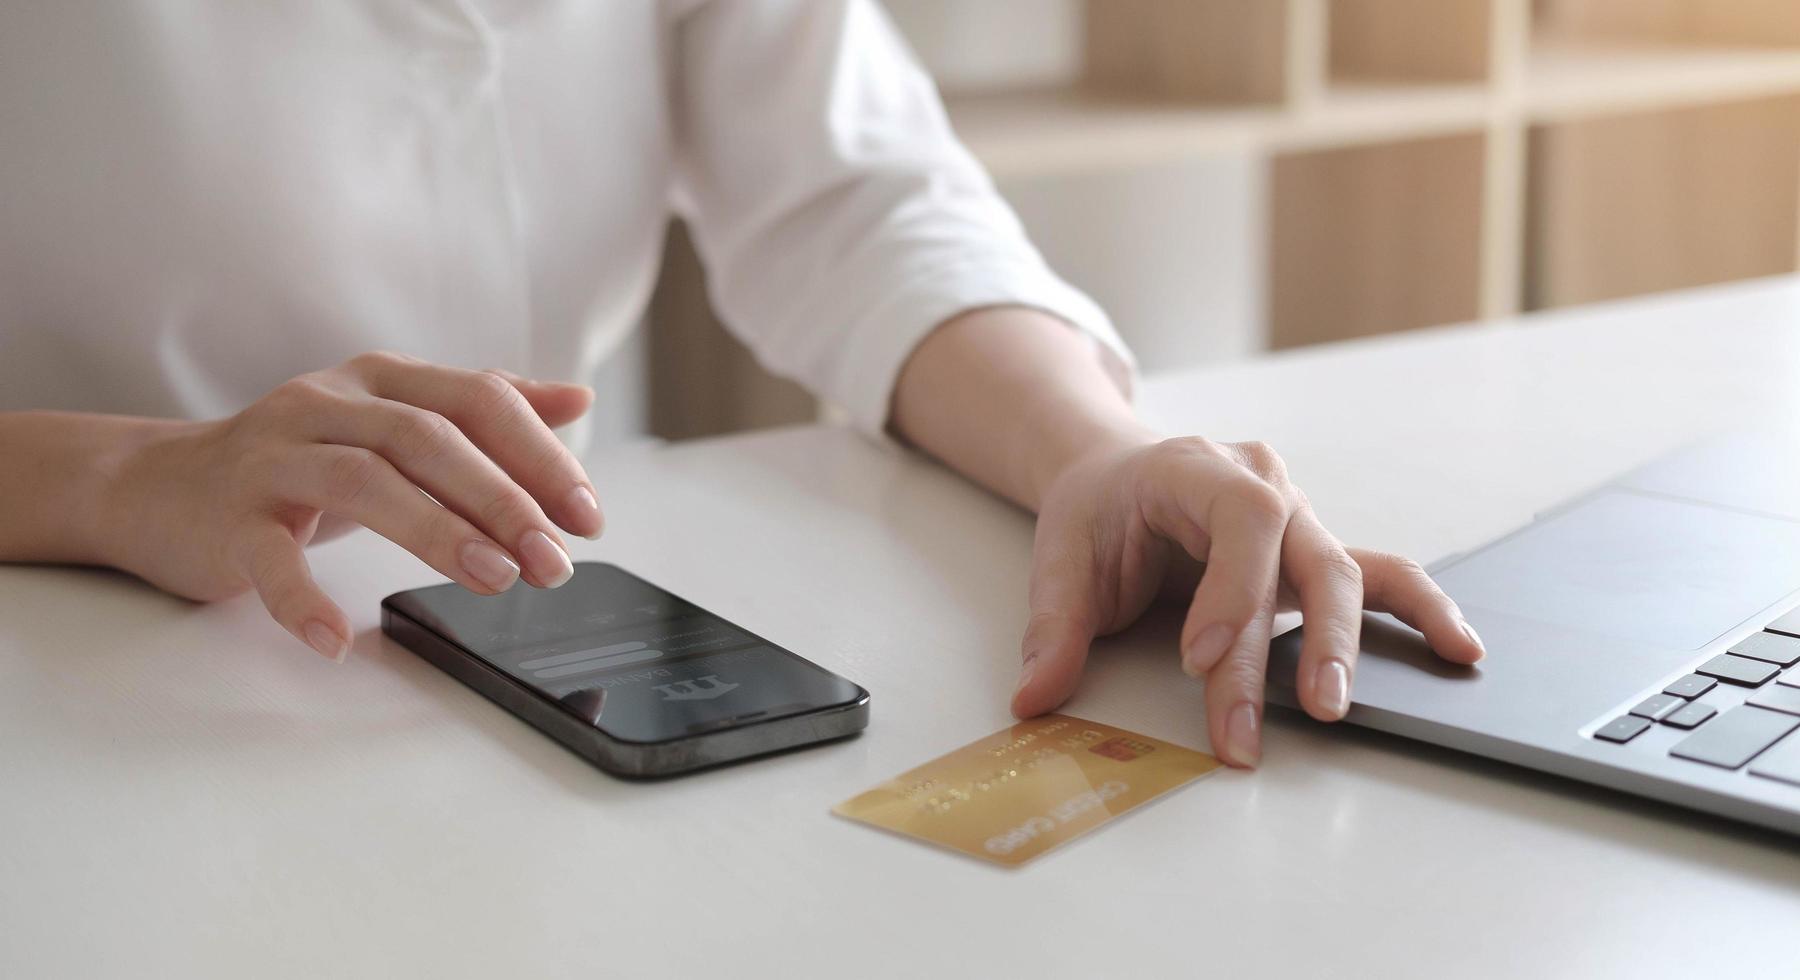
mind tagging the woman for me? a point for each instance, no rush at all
(213, 213)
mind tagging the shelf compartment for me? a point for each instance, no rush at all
(1370, 239)
(1674, 22)
(1640, 203)
(1410, 40)
(1190, 51)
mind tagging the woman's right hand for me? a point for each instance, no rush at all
(209, 510)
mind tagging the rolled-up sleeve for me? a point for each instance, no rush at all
(838, 217)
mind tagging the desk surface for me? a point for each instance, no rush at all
(185, 792)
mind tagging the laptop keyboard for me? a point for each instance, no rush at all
(1731, 734)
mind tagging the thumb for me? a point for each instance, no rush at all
(1062, 626)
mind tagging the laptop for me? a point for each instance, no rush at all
(1644, 636)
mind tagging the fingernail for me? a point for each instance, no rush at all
(489, 565)
(326, 640)
(1469, 631)
(547, 561)
(582, 502)
(1332, 684)
(1208, 647)
(1241, 744)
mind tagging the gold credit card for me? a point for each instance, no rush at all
(1023, 790)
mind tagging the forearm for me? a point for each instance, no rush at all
(58, 467)
(1010, 397)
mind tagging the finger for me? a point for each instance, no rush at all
(1330, 587)
(1064, 619)
(1224, 515)
(1245, 519)
(432, 453)
(1234, 693)
(359, 484)
(272, 561)
(497, 418)
(556, 402)
(1397, 585)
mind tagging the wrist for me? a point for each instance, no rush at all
(54, 494)
(108, 505)
(1057, 443)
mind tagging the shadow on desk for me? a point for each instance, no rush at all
(468, 708)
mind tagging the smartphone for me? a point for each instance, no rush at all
(636, 680)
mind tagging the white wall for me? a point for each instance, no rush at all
(986, 44)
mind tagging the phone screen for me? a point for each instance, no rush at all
(641, 664)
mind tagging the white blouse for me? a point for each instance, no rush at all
(201, 200)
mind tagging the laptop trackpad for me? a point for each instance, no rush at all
(1669, 573)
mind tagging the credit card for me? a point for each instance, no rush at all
(1021, 791)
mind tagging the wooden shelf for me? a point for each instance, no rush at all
(1070, 129)
(1603, 221)
(1759, 23)
(1565, 80)
(1410, 40)
(1352, 112)
(1350, 228)
(1430, 159)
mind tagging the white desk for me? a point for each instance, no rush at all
(184, 791)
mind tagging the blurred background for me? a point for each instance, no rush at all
(1229, 177)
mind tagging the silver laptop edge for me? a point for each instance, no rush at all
(1595, 607)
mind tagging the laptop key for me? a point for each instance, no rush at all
(1781, 762)
(1773, 647)
(1778, 698)
(1691, 686)
(1690, 715)
(1621, 729)
(1789, 624)
(1735, 737)
(1791, 678)
(1738, 670)
(1656, 707)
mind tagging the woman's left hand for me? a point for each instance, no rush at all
(1122, 525)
